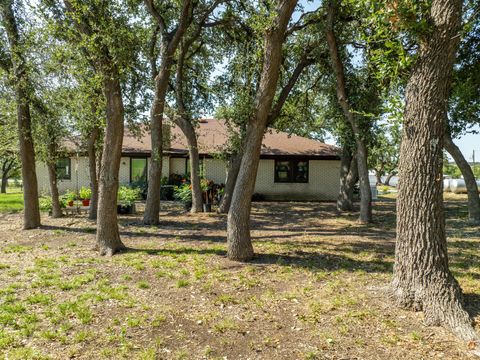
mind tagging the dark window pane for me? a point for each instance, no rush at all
(139, 170)
(301, 171)
(283, 171)
(64, 170)
(291, 171)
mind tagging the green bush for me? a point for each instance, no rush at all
(70, 196)
(85, 193)
(45, 203)
(182, 193)
(127, 196)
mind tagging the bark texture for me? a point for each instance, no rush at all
(362, 152)
(422, 279)
(238, 222)
(348, 179)
(52, 177)
(468, 176)
(233, 168)
(189, 131)
(169, 44)
(92, 168)
(108, 237)
(31, 213)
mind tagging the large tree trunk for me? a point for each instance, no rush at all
(31, 213)
(52, 177)
(348, 179)
(362, 153)
(92, 168)
(422, 279)
(169, 43)
(238, 223)
(194, 159)
(470, 182)
(233, 169)
(108, 237)
(152, 205)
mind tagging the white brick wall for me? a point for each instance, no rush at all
(216, 170)
(177, 166)
(81, 177)
(323, 182)
(323, 177)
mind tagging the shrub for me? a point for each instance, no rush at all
(127, 196)
(70, 196)
(45, 203)
(176, 179)
(182, 193)
(85, 193)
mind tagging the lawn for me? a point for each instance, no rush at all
(314, 291)
(12, 201)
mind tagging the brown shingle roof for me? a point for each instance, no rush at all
(213, 134)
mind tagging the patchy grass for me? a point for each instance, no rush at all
(315, 289)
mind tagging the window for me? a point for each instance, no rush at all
(138, 170)
(291, 171)
(64, 169)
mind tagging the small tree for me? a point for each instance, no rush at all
(15, 63)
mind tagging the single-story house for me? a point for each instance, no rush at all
(291, 167)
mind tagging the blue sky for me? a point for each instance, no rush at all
(468, 144)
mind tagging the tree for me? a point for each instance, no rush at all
(238, 227)
(191, 90)
(422, 279)
(9, 162)
(15, 62)
(101, 31)
(464, 109)
(170, 39)
(352, 118)
(49, 133)
(244, 72)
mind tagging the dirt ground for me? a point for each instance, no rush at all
(315, 289)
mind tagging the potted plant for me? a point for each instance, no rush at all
(85, 195)
(126, 199)
(70, 197)
(207, 191)
(183, 193)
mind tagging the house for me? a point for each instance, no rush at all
(291, 167)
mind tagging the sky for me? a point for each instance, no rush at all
(468, 144)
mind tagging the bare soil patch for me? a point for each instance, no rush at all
(314, 290)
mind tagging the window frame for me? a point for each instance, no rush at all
(68, 175)
(146, 166)
(293, 164)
